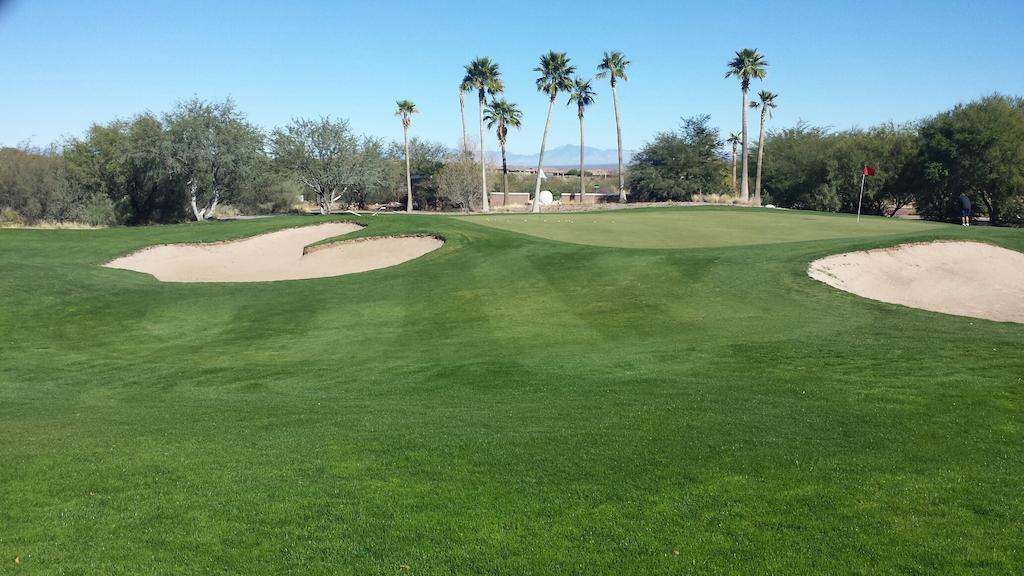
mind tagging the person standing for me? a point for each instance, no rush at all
(965, 210)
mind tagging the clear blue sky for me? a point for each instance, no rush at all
(66, 64)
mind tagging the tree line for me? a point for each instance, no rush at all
(189, 162)
(975, 149)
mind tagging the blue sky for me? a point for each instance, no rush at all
(67, 64)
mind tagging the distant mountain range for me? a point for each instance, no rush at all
(565, 156)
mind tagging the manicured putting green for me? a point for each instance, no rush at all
(702, 227)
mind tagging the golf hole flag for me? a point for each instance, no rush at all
(868, 171)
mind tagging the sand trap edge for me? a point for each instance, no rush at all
(334, 238)
(219, 242)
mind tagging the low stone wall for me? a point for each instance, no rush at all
(523, 198)
(514, 199)
(590, 198)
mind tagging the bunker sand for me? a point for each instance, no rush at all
(280, 255)
(962, 278)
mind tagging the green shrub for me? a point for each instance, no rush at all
(678, 164)
(9, 216)
(99, 210)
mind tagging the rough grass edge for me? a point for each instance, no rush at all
(316, 247)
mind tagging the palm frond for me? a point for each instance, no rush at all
(613, 65)
(747, 65)
(581, 94)
(405, 109)
(483, 75)
(556, 73)
(502, 114)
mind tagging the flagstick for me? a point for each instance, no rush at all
(863, 174)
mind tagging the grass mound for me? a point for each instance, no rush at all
(698, 227)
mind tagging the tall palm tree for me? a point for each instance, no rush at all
(582, 95)
(555, 76)
(503, 114)
(483, 75)
(734, 139)
(766, 105)
(406, 109)
(464, 87)
(613, 65)
(747, 65)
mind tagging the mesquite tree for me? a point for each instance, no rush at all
(213, 149)
(322, 154)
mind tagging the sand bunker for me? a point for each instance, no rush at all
(962, 278)
(278, 255)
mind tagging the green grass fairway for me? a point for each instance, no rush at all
(698, 227)
(507, 404)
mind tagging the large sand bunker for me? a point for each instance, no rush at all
(962, 278)
(278, 255)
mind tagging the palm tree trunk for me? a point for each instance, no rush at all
(760, 158)
(734, 168)
(583, 178)
(408, 172)
(540, 159)
(462, 113)
(504, 175)
(485, 203)
(618, 140)
(744, 184)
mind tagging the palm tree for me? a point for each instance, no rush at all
(464, 87)
(734, 139)
(406, 109)
(582, 95)
(766, 105)
(555, 76)
(614, 65)
(747, 64)
(503, 114)
(484, 76)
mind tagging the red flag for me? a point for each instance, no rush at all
(869, 171)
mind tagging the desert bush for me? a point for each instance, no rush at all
(126, 161)
(99, 210)
(976, 149)
(10, 217)
(34, 184)
(458, 182)
(426, 160)
(678, 164)
(814, 168)
(269, 191)
(715, 198)
(1013, 212)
